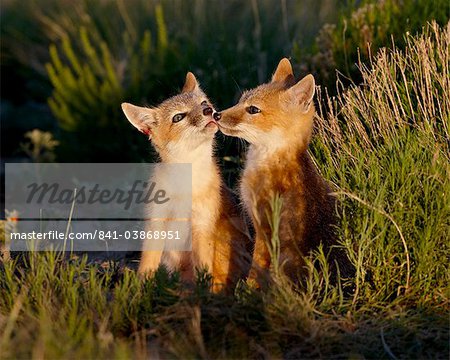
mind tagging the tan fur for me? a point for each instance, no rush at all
(278, 163)
(215, 236)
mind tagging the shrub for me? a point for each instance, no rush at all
(90, 82)
(358, 35)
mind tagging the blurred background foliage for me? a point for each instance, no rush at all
(67, 65)
(362, 31)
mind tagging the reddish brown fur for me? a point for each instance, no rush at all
(278, 163)
(306, 212)
(232, 257)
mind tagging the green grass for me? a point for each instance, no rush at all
(385, 147)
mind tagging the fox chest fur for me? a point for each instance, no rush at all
(206, 202)
(306, 204)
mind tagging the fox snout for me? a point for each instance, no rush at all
(229, 121)
(207, 111)
(210, 122)
(231, 116)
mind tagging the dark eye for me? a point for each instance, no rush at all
(204, 103)
(178, 117)
(253, 110)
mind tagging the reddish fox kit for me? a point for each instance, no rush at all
(182, 130)
(277, 120)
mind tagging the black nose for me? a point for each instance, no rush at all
(207, 111)
(217, 116)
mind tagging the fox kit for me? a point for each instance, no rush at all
(182, 130)
(277, 120)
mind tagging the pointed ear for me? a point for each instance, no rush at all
(283, 71)
(141, 118)
(302, 93)
(190, 84)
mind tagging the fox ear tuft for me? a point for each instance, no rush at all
(141, 118)
(302, 93)
(190, 84)
(283, 72)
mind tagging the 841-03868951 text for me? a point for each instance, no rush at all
(139, 234)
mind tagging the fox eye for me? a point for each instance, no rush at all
(178, 117)
(253, 110)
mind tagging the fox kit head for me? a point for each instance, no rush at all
(178, 125)
(274, 112)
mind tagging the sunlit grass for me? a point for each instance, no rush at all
(384, 146)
